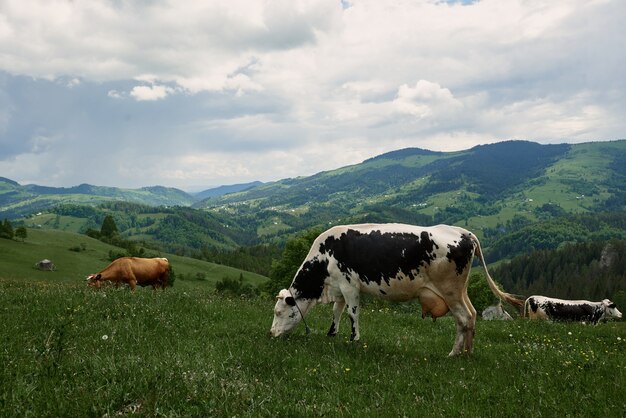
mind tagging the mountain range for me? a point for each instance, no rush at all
(490, 189)
(18, 200)
(480, 188)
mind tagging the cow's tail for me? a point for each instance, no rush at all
(507, 297)
(525, 311)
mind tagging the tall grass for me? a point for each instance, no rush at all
(71, 351)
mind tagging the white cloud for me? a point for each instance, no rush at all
(114, 94)
(149, 93)
(425, 99)
(74, 82)
(282, 88)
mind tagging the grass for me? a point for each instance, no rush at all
(71, 351)
(17, 260)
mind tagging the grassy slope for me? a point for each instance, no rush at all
(28, 198)
(583, 170)
(271, 208)
(567, 183)
(70, 351)
(17, 260)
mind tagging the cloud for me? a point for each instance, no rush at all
(261, 90)
(148, 93)
(73, 82)
(425, 99)
(114, 94)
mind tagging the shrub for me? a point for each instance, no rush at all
(115, 254)
(79, 248)
(171, 276)
(233, 287)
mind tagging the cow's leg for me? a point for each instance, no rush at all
(352, 304)
(464, 325)
(132, 280)
(338, 308)
(471, 329)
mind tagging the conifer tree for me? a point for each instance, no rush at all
(109, 229)
(6, 229)
(21, 233)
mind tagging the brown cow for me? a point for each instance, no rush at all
(134, 271)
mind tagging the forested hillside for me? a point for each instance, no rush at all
(517, 196)
(523, 237)
(17, 200)
(482, 188)
(588, 270)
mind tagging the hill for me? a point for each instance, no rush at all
(593, 270)
(17, 200)
(494, 190)
(76, 256)
(222, 190)
(480, 188)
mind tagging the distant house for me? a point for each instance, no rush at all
(45, 264)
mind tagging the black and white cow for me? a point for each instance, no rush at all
(394, 262)
(542, 307)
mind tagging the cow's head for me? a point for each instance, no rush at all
(94, 280)
(286, 314)
(610, 309)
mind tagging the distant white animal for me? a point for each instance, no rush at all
(542, 307)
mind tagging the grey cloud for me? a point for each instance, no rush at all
(257, 89)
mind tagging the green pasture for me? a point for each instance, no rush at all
(72, 351)
(76, 256)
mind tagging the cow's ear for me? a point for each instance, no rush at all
(290, 301)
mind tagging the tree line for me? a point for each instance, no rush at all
(520, 236)
(591, 270)
(8, 232)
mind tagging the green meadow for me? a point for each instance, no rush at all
(72, 351)
(69, 350)
(76, 256)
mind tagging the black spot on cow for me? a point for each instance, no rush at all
(383, 292)
(309, 281)
(354, 308)
(379, 257)
(461, 253)
(533, 304)
(353, 335)
(333, 330)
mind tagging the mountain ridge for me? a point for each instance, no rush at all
(19, 200)
(486, 189)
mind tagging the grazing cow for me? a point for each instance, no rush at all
(393, 262)
(542, 307)
(134, 271)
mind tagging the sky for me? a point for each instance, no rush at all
(197, 94)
